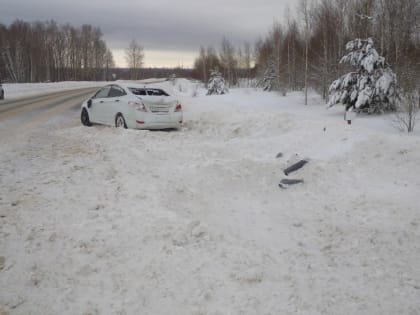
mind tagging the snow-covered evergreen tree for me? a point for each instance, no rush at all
(269, 77)
(372, 88)
(217, 84)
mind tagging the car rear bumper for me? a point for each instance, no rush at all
(151, 121)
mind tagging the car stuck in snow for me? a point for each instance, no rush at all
(132, 106)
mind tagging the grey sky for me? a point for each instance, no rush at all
(169, 28)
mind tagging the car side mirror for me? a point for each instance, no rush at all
(89, 103)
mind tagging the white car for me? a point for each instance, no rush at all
(132, 106)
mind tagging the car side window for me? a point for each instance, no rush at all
(163, 93)
(103, 93)
(157, 92)
(138, 91)
(116, 91)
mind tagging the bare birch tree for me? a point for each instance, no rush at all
(305, 13)
(228, 61)
(134, 56)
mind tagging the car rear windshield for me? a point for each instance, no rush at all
(154, 92)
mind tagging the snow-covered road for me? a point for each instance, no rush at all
(107, 221)
(26, 113)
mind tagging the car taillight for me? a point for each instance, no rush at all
(138, 106)
(178, 108)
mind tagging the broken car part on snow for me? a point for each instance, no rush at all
(294, 167)
(285, 182)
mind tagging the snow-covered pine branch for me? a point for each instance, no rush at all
(372, 88)
(269, 78)
(217, 84)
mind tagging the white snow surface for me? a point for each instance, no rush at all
(109, 221)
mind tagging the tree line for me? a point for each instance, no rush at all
(233, 63)
(46, 51)
(305, 50)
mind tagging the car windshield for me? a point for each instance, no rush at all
(144, 91)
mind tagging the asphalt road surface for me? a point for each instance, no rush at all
(21, 115)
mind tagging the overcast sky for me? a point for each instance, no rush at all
(170, 31)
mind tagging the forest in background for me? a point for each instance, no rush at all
(49, 52)
(46, 51)
(306, 48)
(303, 51)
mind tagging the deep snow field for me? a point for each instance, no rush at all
(107, 221)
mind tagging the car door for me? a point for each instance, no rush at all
(98, 104)
(114, 104)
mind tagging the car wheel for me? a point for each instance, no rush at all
(2, 95)
(120, 122)
(84, 117)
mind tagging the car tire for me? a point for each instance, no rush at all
(2, 95)
(84, 118)
(120, 121)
